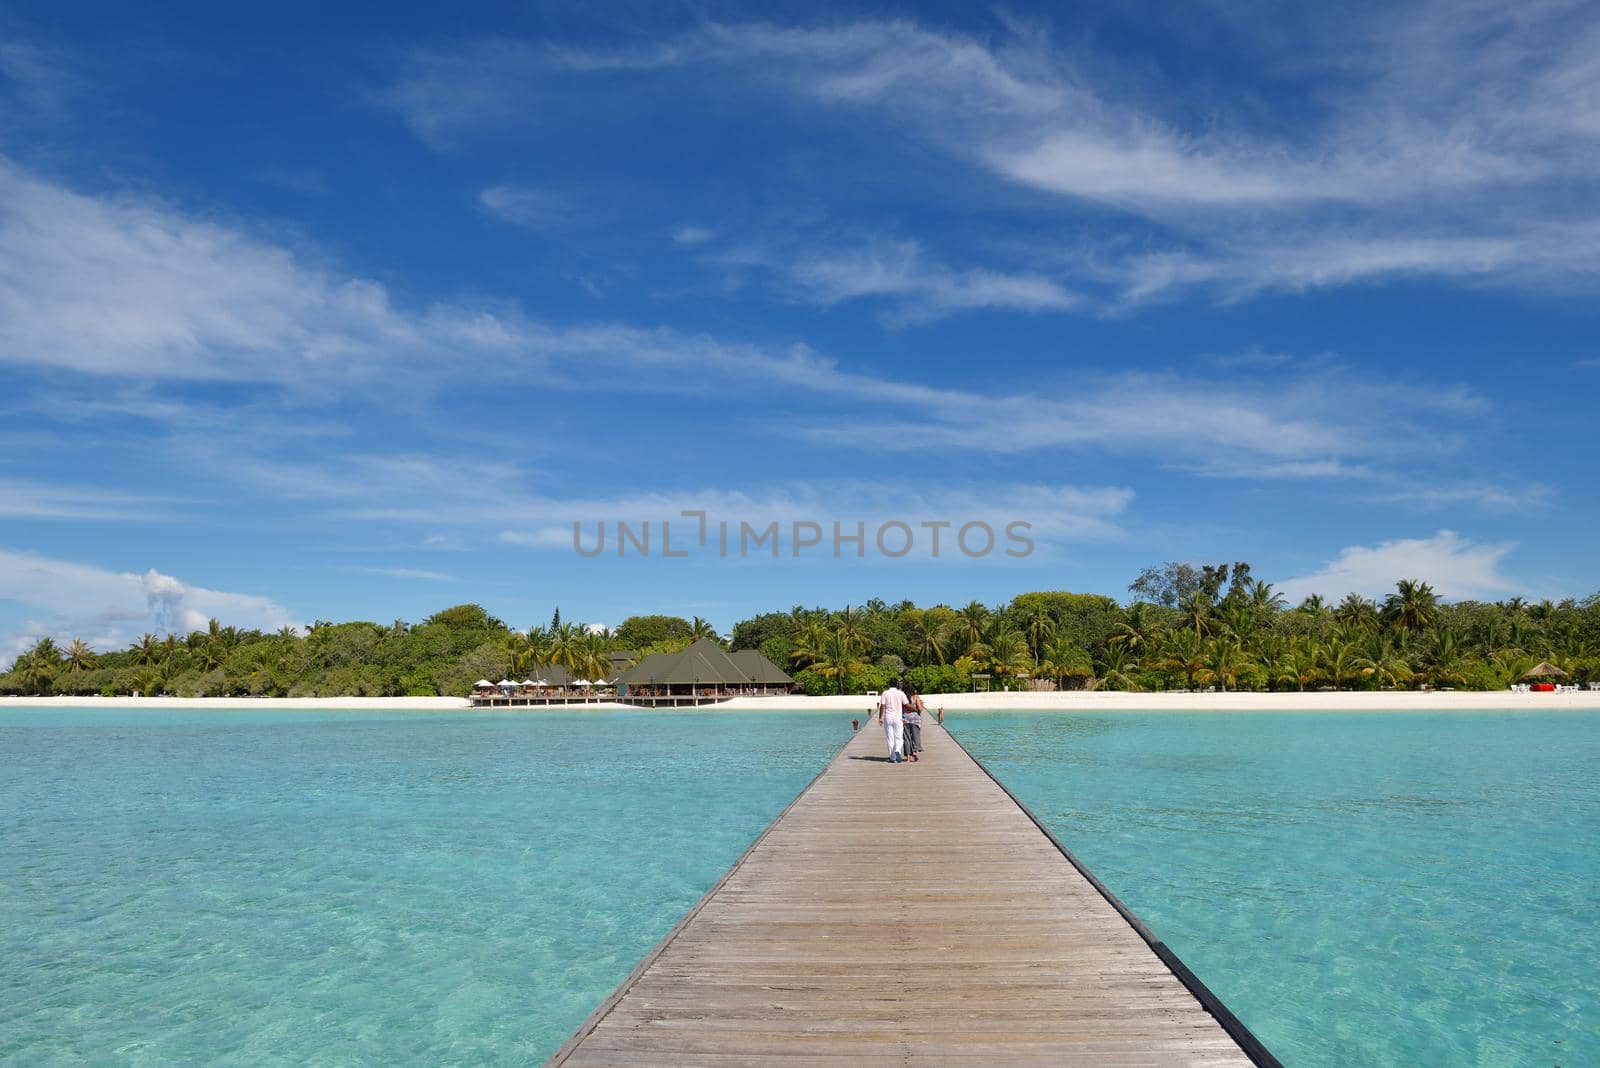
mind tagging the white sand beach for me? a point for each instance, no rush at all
(1075, 700)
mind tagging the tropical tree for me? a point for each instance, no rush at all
(1412, 607)
(1118, 669)
(811, 643)
(1298, 664)
(1382, 662)
(79, 656)
(1340, 661)
(1224, 660)
(148, 650)
(1197, 613)
(1184, 654)
(1037, 626)
(1138, 631)
(971, 624)
(839, 660)
(1007, 652)
(1357, 612)
(700, 628)
(929, 633)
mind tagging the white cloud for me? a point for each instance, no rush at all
(35, 82)
(408, 573)
(693, 235)
(109, 609)
(23, 499)
(923, 290)
(126, 289)
(1456, 568)
(1438, 139)
(118, 286)
(1485, 495)
(529, 207)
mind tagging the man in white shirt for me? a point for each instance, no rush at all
(891, 703)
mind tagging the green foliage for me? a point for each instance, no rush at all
(638, 632)
(1232, 631)
(756, 632)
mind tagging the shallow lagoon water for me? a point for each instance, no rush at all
(1361, 889)
(358, 888)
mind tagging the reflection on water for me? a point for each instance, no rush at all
(1360, 889)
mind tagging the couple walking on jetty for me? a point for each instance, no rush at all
(900, 711)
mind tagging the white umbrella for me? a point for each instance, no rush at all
(505, 682)
(542, 682)
(482, 683)
(529, 682)
(581, 682)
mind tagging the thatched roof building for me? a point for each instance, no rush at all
(704, 669)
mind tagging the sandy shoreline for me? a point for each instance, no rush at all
(971, 702)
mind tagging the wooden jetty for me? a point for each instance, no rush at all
(910, 914)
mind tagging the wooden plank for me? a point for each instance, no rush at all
(909, 914)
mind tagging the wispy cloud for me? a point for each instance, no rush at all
(530, 207)
(1456, 567)
(922, 289)
(407, 573)
(36, 82)
(109, 609)
(693, 235)
(1442, 139)
(120, 288)
(1488, 496)
(24, 499)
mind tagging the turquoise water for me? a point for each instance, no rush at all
(344, 888)
(1365, 889)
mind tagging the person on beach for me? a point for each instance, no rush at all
(912, 742)
(891, 707)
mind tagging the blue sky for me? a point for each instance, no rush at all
(308, 315)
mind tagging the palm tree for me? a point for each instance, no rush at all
(971, 625)
(148, 650)
(852, 626)
(1314, 606)
(811, 643)
(1224, 661)
(1037, 626)
(1118, 668)
(1443, 664)
(929, 634)
(1182, 652)
(839, 660)
(79, 656)
(1413, 606)
(699, 628)
(1298, 664)
(147, 682)
(1007, 651)
(1339, 660)
(1239, 618)
(1357, 611)
(1197, 613)
(1264, 599)
(1136, 632)
(1383, 663)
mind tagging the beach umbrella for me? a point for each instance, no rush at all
(581, 682)
(529, 682)
(542, 682)
(506, 683)
(481, 683)
(1544, 670)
